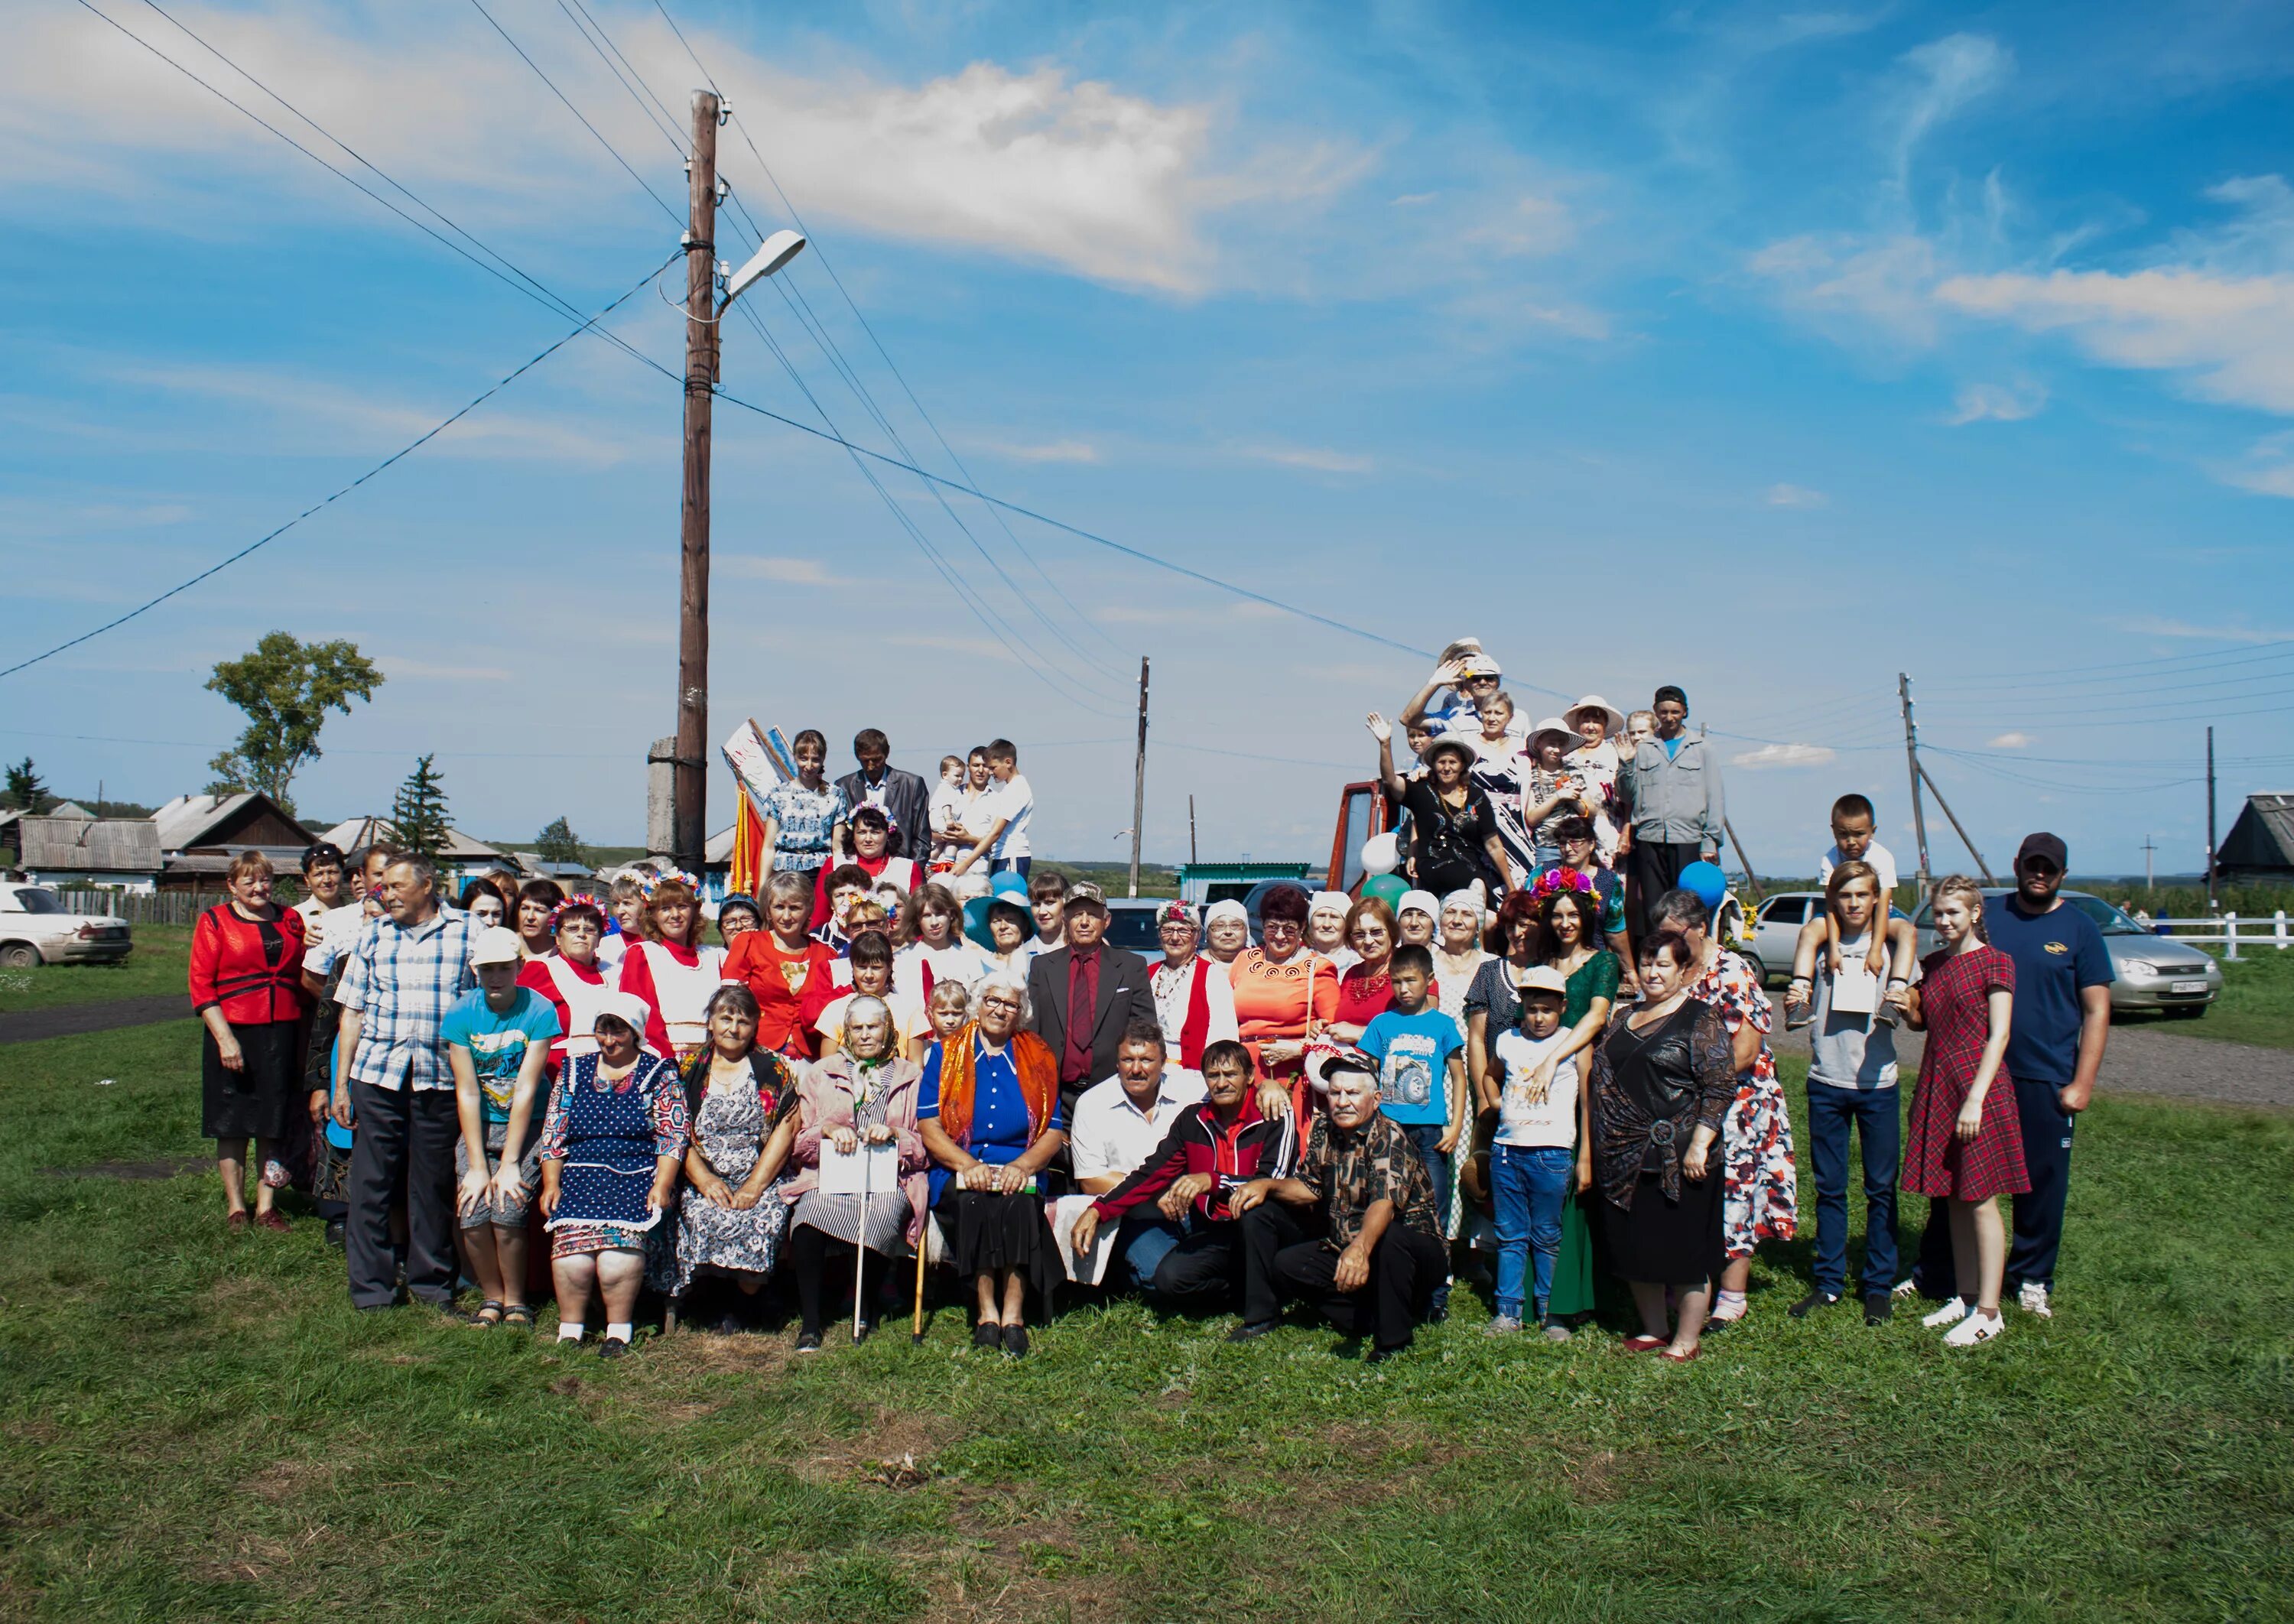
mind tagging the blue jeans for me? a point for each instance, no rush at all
(1528, 1183)
(1424, 1138)
(1145, 1242)
(1007, 865)
(1876, 1115)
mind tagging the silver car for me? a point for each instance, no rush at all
(2154, 972)
(1775, 930)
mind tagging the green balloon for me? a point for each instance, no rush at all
(1388, 888)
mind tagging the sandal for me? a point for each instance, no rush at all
(487, 1307)
(518, 1313)
(1643, 1343)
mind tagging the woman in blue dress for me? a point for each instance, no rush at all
(612, 1145)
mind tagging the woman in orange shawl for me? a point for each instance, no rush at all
(990, 1114)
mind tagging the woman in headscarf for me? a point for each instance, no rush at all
(1285, 992)
(612, 1145)
(741, 1102)
(246, 987)
(865, 1095)
(1226, 932)
(1326, 928)
(672, 970)
(570, 977)
(736, 917)
(1195, 1000)
(1457, 952)
(990, 1114)
(870, 966)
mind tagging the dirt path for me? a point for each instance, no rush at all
(2149, 1060)
(71, 1019)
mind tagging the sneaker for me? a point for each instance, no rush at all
(2033, 1301)
(808, 1342)
(1504, 1325)
(337, 1235)
(1553, 1330)
(1904, 1287)
(1800, 1013)
(1949, 1314)
(1974, 1329)
(1809, 1304)
(613, 1347)
(1879, 1308)
(1251, 1330)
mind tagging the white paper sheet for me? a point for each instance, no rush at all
(1093, 1265)
(873, 1168)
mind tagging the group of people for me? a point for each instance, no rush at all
(1526, 1056)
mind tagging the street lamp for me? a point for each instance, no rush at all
(778, 251)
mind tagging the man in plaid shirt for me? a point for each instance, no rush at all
(392, 1085)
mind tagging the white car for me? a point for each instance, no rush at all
(37, 929)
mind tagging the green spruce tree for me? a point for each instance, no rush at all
(417, 816)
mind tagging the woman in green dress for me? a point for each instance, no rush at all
(1568, 939)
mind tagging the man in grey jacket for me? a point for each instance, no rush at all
(1674, 786)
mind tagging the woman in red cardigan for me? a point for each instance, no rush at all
(246, 985)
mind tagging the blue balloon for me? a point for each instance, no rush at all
(1705, 883)
(975, 922)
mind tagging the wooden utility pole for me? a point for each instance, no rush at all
(2150, 866)
(1193, 854)
(1139, 777)
(2210, 822)
(690, 812)
(1912, 760)
(1935, 790)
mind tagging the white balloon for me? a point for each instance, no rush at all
(1381, 854)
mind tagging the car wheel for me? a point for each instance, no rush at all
(18, 956)
(1753, 962)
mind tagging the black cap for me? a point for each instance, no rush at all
(325, 851)
(1672, 692)
(2048, 846)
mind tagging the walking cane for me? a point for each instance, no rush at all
(923, 1244)
(860, 1252)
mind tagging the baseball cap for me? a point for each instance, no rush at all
(2049, 847)
(325, 851)
(496, 945)
(1541, 978)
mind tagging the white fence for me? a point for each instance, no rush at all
(2230, 932)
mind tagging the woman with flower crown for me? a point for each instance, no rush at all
(673, 968)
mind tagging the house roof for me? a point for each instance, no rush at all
(105, 845)
(2262, 835)
(352, 832)
(199, 820)
(70, 808)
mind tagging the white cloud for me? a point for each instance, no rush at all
(1055, 450)
(2010, 741)
(1795, 496)
(1945, 75)
(1784, 755)
(2151, 626)
(1033, 164)
(1997, 402)
(1320, 459)
(1857, 288)
(785, 571)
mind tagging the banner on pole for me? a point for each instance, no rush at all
(759, 760)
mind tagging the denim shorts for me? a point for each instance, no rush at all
(496, 1211)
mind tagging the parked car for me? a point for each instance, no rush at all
(2154, 972)
(1131, 925)
(35, 927)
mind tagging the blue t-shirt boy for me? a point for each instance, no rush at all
(1413, 1052)
(497, 1043)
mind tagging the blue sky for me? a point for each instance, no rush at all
(1766, 351)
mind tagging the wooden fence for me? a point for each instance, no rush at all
(142, 907)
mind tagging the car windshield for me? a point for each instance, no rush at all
(2109, 919)
(1134, 928)
(32, 899)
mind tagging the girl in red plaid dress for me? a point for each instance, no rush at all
(1965, 1147)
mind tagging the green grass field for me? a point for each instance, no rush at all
(197, 1425)
(161, 963)
(2257, 1005)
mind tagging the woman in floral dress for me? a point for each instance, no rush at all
(1760, 1198)
(734, 1218)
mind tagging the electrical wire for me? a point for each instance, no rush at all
(408, 448)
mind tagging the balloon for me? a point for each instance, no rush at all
(1705, 883)
(1380, 855)
(975, 922)
(1388, 888)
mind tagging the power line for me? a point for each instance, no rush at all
(2069, 674)
(406, 449)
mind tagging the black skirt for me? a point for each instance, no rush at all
(265, 1098)
(985, 1231)
(1666, 1243)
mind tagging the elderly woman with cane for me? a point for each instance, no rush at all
(865, 1095)
(990, 1114)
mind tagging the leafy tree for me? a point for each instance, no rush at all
(417, 816)
(286, 688)
(559, 843)
(24, 790)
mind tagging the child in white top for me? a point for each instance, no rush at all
(1533, 1160)
(1895, 946)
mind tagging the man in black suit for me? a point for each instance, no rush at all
(903, 795)
(1086, 995)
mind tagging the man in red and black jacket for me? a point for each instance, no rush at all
(1212, 1150)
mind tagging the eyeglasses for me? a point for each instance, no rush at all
(998, 1003)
